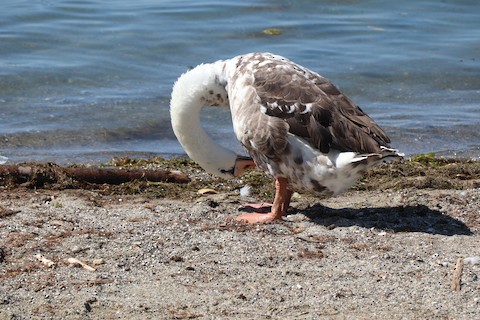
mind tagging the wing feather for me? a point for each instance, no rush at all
(314, 108)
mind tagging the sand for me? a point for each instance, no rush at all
(372, 253)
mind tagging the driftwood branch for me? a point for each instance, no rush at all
(117, 176)
(49, 173)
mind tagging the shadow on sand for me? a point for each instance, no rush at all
(419, 218)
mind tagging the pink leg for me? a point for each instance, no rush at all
(278, 209)
(286, 204)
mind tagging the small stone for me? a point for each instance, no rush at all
(241, 296)
(121, 264)
(4, 300)
(296, 217)
(212, 203)
(472, 260)
(176, 259)
(77, 249)
(98, 262)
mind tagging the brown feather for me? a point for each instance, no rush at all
(286, 89)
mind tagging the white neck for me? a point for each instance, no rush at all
(202, 86)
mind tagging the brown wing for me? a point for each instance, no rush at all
(313, 107)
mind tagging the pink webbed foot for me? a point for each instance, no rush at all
(258, 213)
(257, 217)
(265, 212)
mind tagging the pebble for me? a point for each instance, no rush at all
(77, 249)
(296, 217)
(176, 259)
(296, 196)
(472, 260)
(98, 262)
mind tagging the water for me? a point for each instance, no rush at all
(82, 81)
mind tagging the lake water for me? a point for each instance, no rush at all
(83, 81)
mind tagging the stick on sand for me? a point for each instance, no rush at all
(457, 275)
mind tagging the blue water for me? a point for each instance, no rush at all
(83, 81)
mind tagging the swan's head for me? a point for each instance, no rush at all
(241, 165)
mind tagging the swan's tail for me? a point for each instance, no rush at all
(371, 159)
(390, 154)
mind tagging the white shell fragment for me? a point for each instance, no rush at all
(46, 262)
(207, 191)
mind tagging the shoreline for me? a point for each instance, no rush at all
(387, 248)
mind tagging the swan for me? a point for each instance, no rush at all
(295, 125)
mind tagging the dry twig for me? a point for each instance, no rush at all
(77, 262)
(457, 275)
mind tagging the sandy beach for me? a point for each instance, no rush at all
(389, 248)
